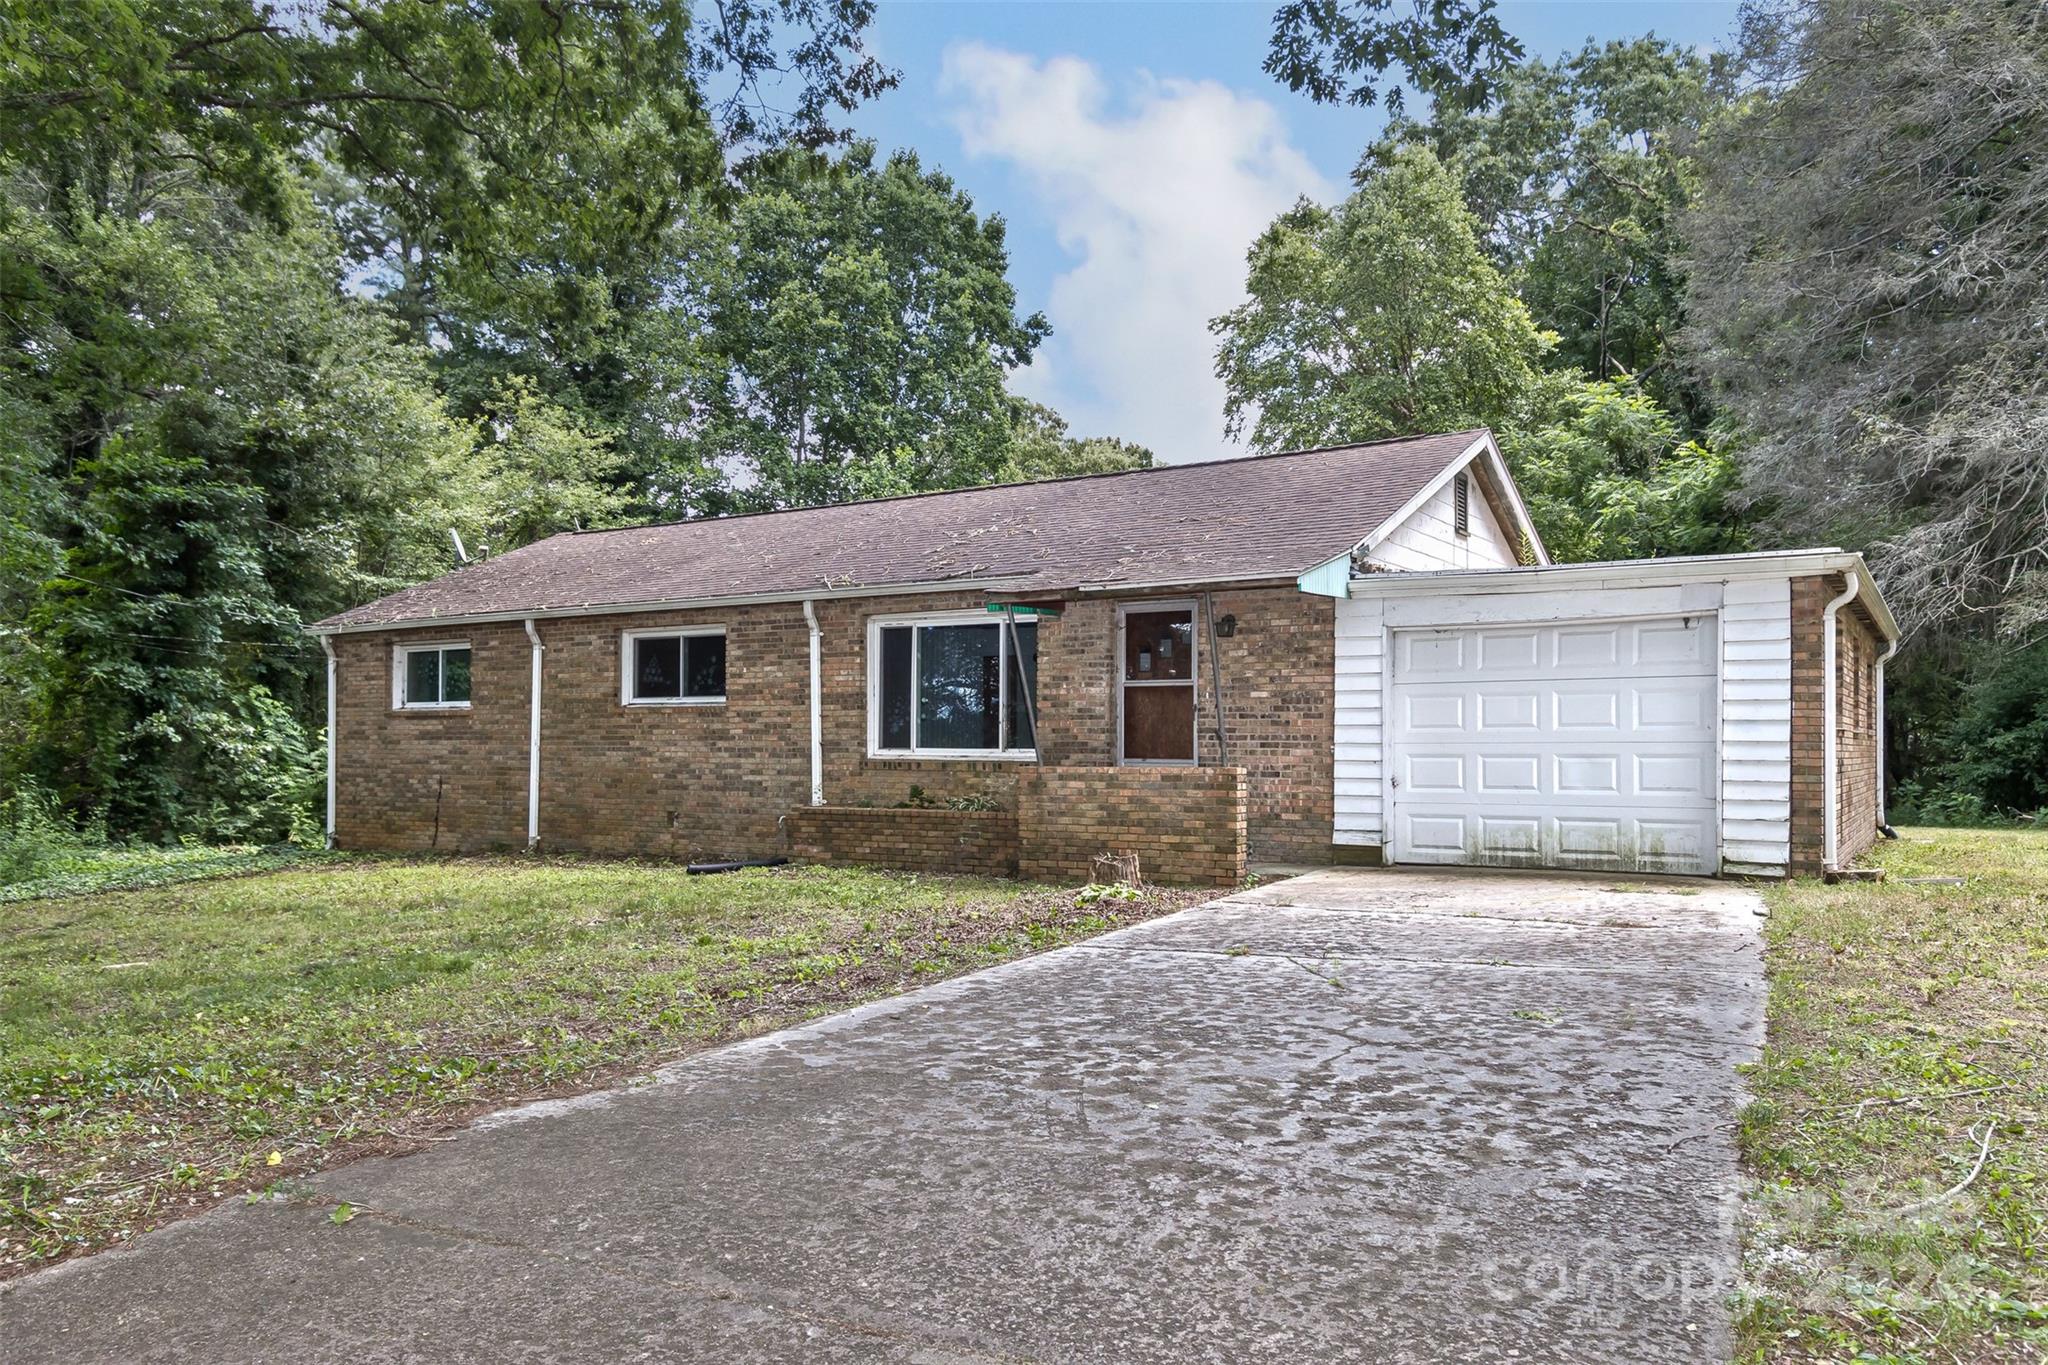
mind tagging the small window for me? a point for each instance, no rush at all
(1461, 504)
(430, 677)
(672, 667)
(951, 688)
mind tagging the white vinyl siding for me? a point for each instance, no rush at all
(1756, 719)
(1753, 691)
(1361, 655)
(1428, 538)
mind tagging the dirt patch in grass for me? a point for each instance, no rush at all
(162, 1050)
(1898, 1140)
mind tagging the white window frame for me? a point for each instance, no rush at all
(399, 655)
(627, 639)
(1193, 683)
(876, 624)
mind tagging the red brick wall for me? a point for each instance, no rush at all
(1279, 717)
(696, 781)
(913, 840)
(716, 781)
(448, 780)
(1857, 648)
(1187, 825)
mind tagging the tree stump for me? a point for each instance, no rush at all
(1114, 869)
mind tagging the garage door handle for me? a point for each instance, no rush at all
(1395, 782)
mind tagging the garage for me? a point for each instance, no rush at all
(1700, 715)
(1584, 745)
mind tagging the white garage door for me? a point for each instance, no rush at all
(1584, 745)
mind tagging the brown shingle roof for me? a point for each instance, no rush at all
(1262, 516)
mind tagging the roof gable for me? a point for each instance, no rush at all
(1264, 516)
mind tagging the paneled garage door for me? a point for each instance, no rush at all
(1582, 745)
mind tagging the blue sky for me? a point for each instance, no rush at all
(1135, 150)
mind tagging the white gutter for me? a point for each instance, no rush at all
(1830, 762)
(486, 618)
(532, 745)
(327, 648)
(1883, 815)
(817, 708)
(1182, 584)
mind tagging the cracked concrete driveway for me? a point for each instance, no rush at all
(1356, 1115)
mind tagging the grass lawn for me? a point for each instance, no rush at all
(161, 1049)
(1899, 1136)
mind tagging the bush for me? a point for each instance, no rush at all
(1990, 759)
(36, 839)
(1919, 803)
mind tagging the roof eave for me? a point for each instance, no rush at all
(333, 626)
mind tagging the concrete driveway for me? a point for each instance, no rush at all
(1388, 1116)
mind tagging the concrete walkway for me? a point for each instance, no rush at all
(1384, 1116)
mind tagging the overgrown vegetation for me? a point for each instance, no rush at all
(293, 292)
(289, 297)
(161, 1049)
(1898, 1138)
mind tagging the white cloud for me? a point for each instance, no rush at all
(1158, 194)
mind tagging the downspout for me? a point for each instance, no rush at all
(817, 706)
(533, 746)
(1830, 762)
(1030, 708)
(1215, 680)
(327, 648)
(1883, 815)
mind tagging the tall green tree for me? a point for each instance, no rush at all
(261, 450)
(1577, 170)
(1340, 51)
(1868, 292)
(858, 328)
(1040, 448)
(506, 172)
(1608, 473)
(1381, 317)
(213, 430)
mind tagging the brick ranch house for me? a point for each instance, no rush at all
(1358, 654)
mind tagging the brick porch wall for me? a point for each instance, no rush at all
(1857, 648)
(1187, 826)
(983, 842)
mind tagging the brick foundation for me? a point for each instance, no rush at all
(1186, 826)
